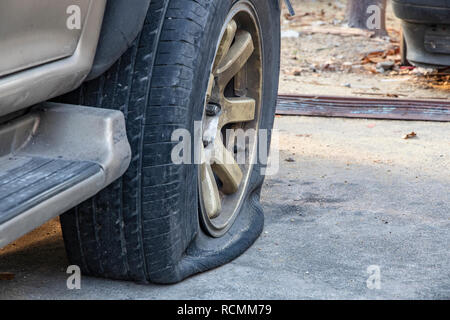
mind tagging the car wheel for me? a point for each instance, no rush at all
(202, 63)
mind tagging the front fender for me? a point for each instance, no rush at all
(122, 22)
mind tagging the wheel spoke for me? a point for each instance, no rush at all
(240, 82)
(210, 192)
(210, 87)
(235, 59)
(226, 168)
(225, 45)
(237, 110)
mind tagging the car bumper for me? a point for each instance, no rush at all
(426, 28)
(423, 11)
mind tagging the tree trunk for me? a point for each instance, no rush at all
(368, 15)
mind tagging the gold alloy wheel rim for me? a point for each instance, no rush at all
(233, 100)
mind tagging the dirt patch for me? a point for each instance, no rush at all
(320, 55)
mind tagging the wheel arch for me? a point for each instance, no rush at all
(122, 22)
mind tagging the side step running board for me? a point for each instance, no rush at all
(53, 159)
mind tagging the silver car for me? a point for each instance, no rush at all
(114, 116)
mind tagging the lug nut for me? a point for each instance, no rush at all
(212, 109)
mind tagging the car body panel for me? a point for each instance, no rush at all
(47, 80)
(83, 149)
(40, 35)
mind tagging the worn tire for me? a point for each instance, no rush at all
(145, 226)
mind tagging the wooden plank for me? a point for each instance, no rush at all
(6, 276)
(368, 108)
(340, 31)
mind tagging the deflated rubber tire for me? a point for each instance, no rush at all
(145, 226)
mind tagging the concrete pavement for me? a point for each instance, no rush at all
(353, 194)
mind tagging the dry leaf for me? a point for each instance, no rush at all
(287, 16)
(391, 95)
(381, 56)
(410, 135)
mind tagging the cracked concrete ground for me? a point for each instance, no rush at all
(353, 194)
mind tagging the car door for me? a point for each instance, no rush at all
(46, 48)
(34, 32)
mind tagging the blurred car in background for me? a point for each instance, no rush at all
(426, 31)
